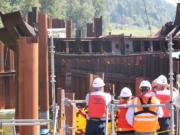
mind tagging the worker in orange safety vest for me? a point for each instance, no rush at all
(144, 119)
(97, 102)
(163, 94)
(122, 127)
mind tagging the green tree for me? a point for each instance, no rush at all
(5, 6)
(26, 5)
(100, 7)
(54, 8)
(80, 12)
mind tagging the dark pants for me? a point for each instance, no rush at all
(126, 133)
(146, 133)
(95, 127)
(164, 125)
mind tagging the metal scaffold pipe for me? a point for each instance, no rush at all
(23, 120)
(170, 44)
(52, 52)
(177, 104)
(55, 107)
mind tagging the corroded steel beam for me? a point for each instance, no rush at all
(1, 57)
(43, 66)
(14, 27)
(28, 83)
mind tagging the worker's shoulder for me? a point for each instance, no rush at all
(101, 93)
(134, 100)
(155, 100)
(164, 92)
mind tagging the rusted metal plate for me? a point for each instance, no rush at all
(7, 38)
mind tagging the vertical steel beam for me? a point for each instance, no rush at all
(90, 46)
(151, 46)
(67, 46)
(12, 64)
(1, 57)
(68, 28)
(28, 83)
(43, 67)
(1, 78)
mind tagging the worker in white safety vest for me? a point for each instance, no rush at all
(144, 119)
(122, 126)
(97, 102)
(162, 92)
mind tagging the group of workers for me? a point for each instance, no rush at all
(134, 120)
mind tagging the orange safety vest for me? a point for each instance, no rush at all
(145, 119)
(164, 97)
(121, 123)
(97, 106)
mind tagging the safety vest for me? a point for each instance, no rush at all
(164, 97)
(121, 123)
(97, 106)
(145, 118)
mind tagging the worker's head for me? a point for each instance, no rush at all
(98, 84)
(125, 93)
(154, 85)
(162, 82)
(145, 86)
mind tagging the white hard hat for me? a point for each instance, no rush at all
(98, 82)
(162, 80)
(145, 83)
(125, 92)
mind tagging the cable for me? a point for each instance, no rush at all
(149, 26)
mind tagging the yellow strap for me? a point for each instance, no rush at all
(170, 131)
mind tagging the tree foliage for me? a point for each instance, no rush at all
(54, 8)
(123, 12)
(132, 12)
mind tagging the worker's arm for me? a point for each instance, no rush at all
(130, 115)
(87, 99)
(159, 110)
(108, 98)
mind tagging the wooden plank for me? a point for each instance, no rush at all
(70, 114)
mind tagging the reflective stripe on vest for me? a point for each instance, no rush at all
(145, 120)
(96, 106)
(121, 123)
(164, 97)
